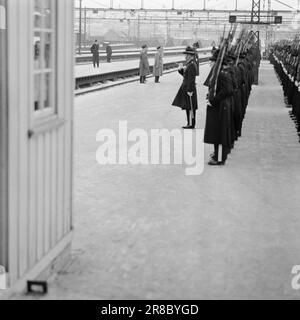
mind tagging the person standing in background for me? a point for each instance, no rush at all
(95, 52)
(158, 64)
(144, 64)
(108, 52)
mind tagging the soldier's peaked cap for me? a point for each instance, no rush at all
(189, 50)
(215, 55)
(231, 56)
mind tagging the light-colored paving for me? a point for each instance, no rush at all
(150, 232)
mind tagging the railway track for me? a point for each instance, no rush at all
(96, 82)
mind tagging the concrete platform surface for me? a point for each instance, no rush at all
(150, 232)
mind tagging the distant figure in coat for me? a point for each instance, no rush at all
(144, 64)
(108, 53)
(158, 64)
(95, 52)
(186, 98)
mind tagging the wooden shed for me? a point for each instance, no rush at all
(36, 106)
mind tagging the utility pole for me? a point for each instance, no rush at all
(255, 19)
(269, 10)
(173, 4)
(168, 31)
(236, 5)
(138, 30)
(255, 13)
(269, 27)
(85, 21)
(128, 23)
(204, 4)
(80, 30)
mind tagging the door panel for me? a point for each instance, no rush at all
(3, 135)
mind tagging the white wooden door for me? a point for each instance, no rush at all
(40, 95)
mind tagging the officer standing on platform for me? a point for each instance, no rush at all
(186, 98)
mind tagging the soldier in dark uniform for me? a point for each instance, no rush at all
(237, 82)
(286, 60)
(243, 87)
(218, 117)
(95, 52)
(186, 98)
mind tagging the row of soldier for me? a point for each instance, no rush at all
(226, 110)
(231, 87)
(285, 56)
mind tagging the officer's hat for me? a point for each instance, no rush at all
(215, 55)
(231, 57)
(189, 50)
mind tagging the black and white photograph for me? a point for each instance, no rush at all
(149, 151)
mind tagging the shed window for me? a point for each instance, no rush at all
(44, 56)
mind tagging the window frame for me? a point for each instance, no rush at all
(51, 112)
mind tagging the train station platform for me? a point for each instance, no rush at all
(150, 232)
(83, 70)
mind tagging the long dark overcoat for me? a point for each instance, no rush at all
(243, 88)
(182, 99)
(236, 103)
(95, 52)
(296, 105)
(144, 64)
(158, 67)
(109, 51)
(218, 115)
